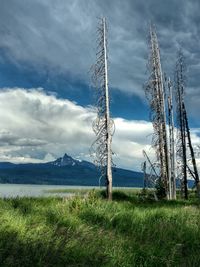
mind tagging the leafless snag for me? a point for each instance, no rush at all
(155, 95)
(181, 138)
(152, 177)
(172, 154)
(184, 137)
(103, 126)
(193, 172)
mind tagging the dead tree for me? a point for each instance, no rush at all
(172, 162)
(103, 126)
(181, 144)
(144, 169)
(152, 177)
(155, 95)
(184, 130)
(194, 173)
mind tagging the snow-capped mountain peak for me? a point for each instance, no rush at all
(66, 160)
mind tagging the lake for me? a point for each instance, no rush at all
(25, 190)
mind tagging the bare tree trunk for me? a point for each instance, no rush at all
(181, 151)
(196, 174)
(144, 169)
(185, 184)
(172, 184)
(103, 126)
(156, 97)
(108, 136)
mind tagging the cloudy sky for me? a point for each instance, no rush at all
(46, 50)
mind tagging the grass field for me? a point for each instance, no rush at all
(89, 231)
(82, 191)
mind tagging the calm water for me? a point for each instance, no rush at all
(20, 190)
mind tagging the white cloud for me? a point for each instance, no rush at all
(39, 123)
(36, 126)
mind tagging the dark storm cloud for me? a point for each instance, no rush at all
(59, 36)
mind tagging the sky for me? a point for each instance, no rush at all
(47, 48)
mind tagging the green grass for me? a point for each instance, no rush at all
(78, 191)
(90, 231)
(82, 191)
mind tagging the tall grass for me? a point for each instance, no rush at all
(89, 231)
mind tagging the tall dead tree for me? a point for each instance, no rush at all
(193, 172)
(103, 126)
(181, 144)
(172, 162)
(184, 130)
(155, 95)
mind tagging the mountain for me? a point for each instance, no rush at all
(66, 160)
(65, 171)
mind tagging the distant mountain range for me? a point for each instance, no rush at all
(65, 171)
